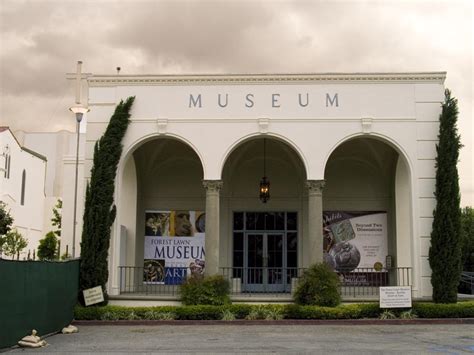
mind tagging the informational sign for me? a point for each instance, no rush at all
(174, 246)
(355, 239)
(395, 297)
(355, 246)
(93, 295)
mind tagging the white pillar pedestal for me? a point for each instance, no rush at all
(315, 222)
(212, 226)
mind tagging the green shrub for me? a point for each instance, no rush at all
(289, 311)
(257, 312)
(273, 313)
(47, 248)
(109, 316)
(208, 290)
(387, 314)
(13, 243)
(408, 314)
(240, 310)
(318, 286)
(359, 311)
(454, 310)
(199, 312)
(157, 315)
(227, 315)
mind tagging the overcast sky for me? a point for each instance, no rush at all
(42, 40)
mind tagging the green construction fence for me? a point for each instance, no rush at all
(36, 295)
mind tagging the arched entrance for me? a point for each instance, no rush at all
(367, 209)
(262, 240)
(160, 197)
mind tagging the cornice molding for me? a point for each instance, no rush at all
(262, 79)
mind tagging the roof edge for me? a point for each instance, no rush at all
(209, 79)
(28, 150)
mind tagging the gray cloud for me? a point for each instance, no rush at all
(41, 40)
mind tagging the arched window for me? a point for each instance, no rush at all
(8, 168)
(23, 184)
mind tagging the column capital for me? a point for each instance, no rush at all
(315, 186)
(212, 185)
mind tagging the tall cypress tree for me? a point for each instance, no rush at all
(445, 250)
(100, 211)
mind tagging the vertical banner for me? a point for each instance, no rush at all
(355, 240)
(174, 246)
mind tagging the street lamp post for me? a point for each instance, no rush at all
(79, 110)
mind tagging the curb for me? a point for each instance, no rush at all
(279, 322)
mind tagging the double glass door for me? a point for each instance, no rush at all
(265, 247)
(264, 261)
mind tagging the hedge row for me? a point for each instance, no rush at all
(439, 310)
(290, 311)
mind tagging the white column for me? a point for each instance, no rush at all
(212, 226)
(314, 249)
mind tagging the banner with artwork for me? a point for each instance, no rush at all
(355, 240)
(174, 246)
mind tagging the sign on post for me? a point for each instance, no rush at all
(395, 297)
(93, 295)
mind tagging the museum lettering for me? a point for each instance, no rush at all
(179, 252)
(274, 100)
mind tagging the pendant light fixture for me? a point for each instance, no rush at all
(264, 183)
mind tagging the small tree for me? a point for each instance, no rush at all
(445, 250)
(57, 217)
(6, 220)
(47, 249)
(99, 211)
(467, 228)
(14, 243)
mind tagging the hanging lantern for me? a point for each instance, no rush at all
(264, 183)
(264, 190)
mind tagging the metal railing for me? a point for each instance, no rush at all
(134, 279)
(259, 280)
(361, 282)
(357, 283)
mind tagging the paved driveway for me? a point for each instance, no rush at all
(230, 338)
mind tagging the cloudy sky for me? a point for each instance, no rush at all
(41, 40)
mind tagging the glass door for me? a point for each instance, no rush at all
(274, 262)
(265, 250)
(263, 262)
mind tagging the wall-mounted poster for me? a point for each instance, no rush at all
(174, 246)
(355, 240)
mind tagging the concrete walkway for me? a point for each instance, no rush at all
(202, 338)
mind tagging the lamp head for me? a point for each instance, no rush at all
(79, 111)
(264, 190)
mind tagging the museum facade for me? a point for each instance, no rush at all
(258, 176)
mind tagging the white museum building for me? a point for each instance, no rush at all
(37, 169)
(346, 162)
(22, 181)
(256, 177)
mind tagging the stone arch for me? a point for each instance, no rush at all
(156, 151)
(374, 173)
(394, 144)
(241, 173)
(253, 136)
(130, 148)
